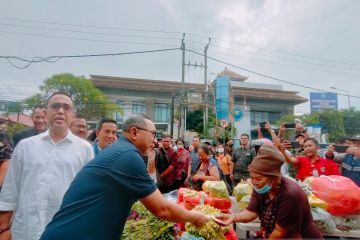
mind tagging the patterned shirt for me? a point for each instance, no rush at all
(242, 157)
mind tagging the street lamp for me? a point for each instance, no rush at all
(348, 94)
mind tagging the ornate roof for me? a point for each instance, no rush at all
(232, 75)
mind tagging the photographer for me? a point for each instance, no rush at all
(349, 159)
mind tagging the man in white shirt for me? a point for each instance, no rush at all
(41, 170)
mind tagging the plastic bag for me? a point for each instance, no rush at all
(316, 202)
(188, 236)
(241, 190)
(351, 222)
(191, 199)
(222, 204)
(244, 202)
(323, 220)
(341, 194)
(231, 235)
(216, 189)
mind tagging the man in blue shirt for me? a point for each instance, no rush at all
(99, 200)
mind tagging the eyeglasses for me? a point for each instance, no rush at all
(56, 107)
(153, 133)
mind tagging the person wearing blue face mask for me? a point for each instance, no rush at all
(280, 204)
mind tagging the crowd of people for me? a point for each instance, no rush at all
(58, 182)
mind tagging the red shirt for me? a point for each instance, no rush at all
(320, 167)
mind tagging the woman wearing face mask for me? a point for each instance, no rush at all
(279, 202)
(224, 161)
(181, 168)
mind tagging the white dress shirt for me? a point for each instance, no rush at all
(39, 174)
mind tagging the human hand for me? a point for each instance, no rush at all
(330, 149)
(197, 177)
(198, 219)
(268, 127)
(285, 145)
(224, 219)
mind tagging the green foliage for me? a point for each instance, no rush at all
(332, 122)
(351, 122)
(307, 119)
(194, 121)
(88, 100)
(34, 100)
(15, 128)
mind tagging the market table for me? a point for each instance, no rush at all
(255, 226)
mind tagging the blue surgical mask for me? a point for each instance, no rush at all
(263, 190)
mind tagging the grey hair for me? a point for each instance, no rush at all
(135, 121)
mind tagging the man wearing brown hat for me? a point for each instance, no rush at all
(279, 202)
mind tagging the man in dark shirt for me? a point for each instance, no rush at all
(99, 200)
(167, 176)
(6, 150)
(242, 157)
(39, 120)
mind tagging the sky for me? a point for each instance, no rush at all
(312, 43)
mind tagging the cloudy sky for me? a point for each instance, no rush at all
(314, 43)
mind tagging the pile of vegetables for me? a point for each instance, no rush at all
(142, 224)
(210, 230)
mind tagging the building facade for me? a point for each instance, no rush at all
(246, 104)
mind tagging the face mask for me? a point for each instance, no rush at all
(179, 146)
(263, 190)
(220, 150)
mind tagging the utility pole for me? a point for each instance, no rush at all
(206, 113)
(182, 111)
(172, 114)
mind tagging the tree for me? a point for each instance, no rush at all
(351, 122)
(88, 100)
(332, 122)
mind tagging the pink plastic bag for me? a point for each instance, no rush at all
(341, 194)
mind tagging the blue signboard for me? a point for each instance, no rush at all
(323, 100)
(222, 92)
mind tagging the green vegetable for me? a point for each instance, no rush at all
(210, 230)
(147, 227)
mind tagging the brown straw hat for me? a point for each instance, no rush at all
(268, 161)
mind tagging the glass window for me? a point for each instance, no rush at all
(118, 115)
(161, 112)
(138, 107)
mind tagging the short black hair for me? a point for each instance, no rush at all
(59, 93)
(105, 120)
(246, 135)
(312, 139)
(37, 106)
(180, 140)
(166, 136)
(299, 135)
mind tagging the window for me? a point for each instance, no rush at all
(161, 112)
(138, 107)
(118, 116)
(257, 117)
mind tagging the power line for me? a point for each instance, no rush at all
(85, 39)
(267, 76)
(285, 59)
(56, 58)
(91, 26)
(89, 32)
(187, 33)
(283, 64)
